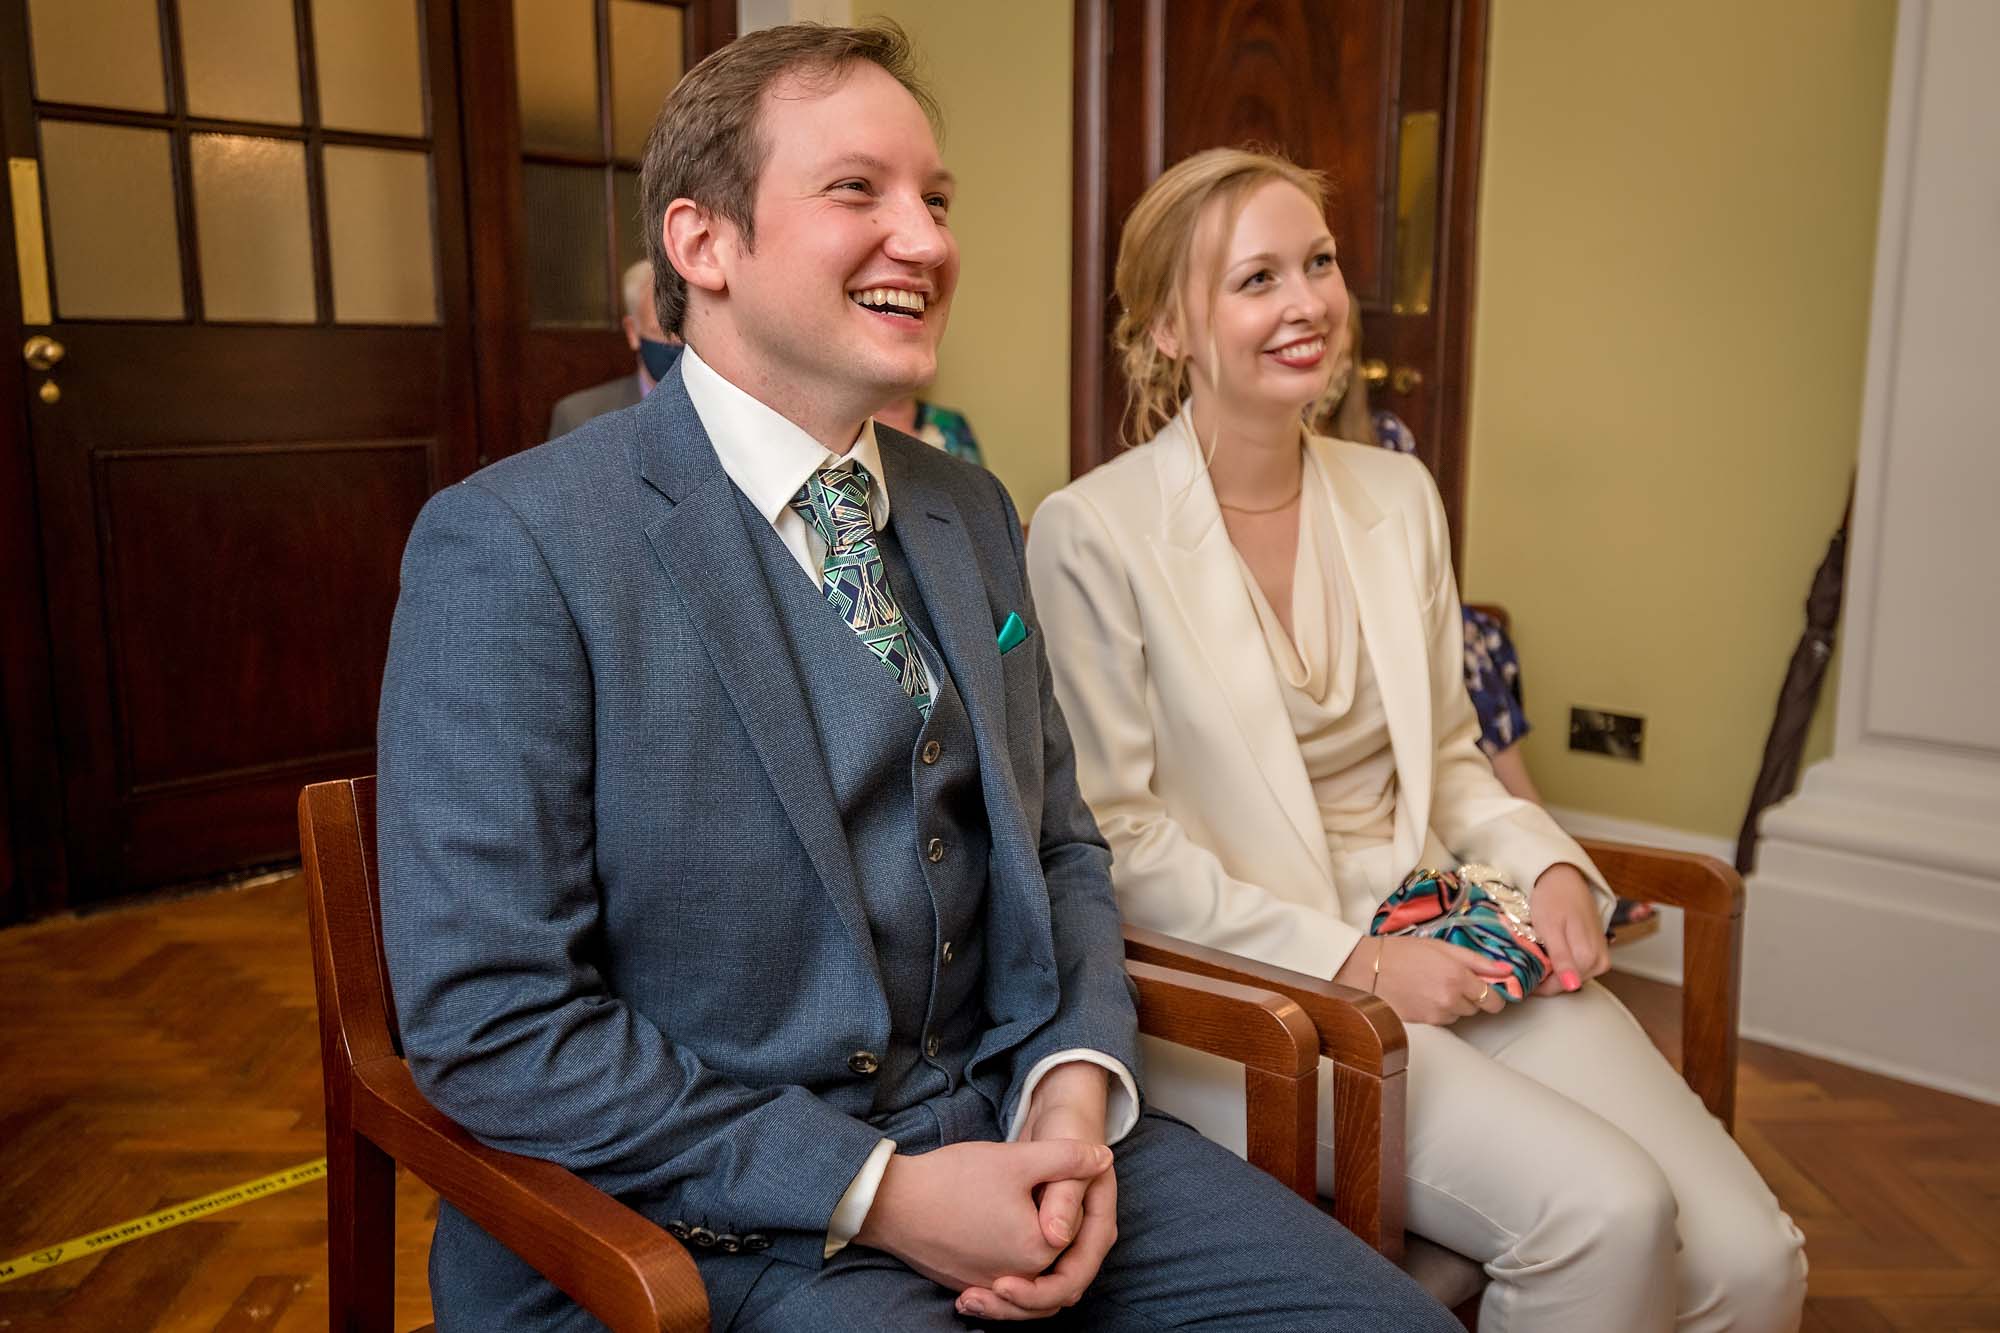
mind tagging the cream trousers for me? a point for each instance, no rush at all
(1552, 1143)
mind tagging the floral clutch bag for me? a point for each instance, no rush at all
(1475, 908)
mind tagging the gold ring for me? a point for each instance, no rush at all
(1484, 991)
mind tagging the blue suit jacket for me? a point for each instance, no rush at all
(620, 909)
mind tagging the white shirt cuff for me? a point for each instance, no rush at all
(852, 1210)
(1121, 1102)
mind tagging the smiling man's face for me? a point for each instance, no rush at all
(840, 305)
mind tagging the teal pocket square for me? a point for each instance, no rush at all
(1012, 632)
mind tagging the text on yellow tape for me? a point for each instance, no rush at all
(97, 1242)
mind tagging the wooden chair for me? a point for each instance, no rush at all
(1364, 1041)
(614, 1262)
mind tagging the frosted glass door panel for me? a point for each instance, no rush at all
(242, 60)
(564, 209)
(114, 235)
(250, 216)
(646, 46)
(378, 226)
(370, 66)
(97, 52)
(555, 61)
(631, 227)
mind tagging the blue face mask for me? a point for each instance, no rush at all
(658, 356)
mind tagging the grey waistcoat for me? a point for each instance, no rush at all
(898, 813)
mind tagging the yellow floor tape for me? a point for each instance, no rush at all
(111, 1237)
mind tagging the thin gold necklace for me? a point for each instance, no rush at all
(1285, 503)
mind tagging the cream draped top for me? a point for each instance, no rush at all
(1328, 684)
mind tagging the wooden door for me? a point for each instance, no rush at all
(244, 330)
(560, 96)
(1382, 95)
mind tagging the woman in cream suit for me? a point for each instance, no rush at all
(1257, 643)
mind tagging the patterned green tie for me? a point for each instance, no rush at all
(835, 502)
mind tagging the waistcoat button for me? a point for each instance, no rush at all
(931, 751)
(947, 951)
(935, 852)
(931, 1047)
(863, 1062)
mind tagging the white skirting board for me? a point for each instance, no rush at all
(1904, 984)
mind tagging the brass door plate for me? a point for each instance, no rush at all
(31, 250)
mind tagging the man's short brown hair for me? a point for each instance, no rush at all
(705, 144)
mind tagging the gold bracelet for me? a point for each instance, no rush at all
(1376, 980)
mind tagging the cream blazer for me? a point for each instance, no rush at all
(1184, 749)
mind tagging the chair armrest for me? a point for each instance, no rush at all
(1365, 1042)
(611, 1260)
(1686, 880)
(1356, 1029)
(1711, 896)
(1274, 1041)
(1258, 1029)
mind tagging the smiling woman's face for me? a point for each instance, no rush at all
(1261, 337)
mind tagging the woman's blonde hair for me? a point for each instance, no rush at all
(1155, 250)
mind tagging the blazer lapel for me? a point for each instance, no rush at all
(934, 539)
(1374, 547)
(705, 550)
(1201, 566)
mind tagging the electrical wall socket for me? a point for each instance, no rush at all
(1595, 731)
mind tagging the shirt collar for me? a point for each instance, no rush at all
(765, 454)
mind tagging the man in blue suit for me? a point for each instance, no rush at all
(731, 848)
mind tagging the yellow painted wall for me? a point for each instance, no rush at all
(1676, 252)
(1003, 74)
(1676, 234)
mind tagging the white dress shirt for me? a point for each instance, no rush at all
(769, 457)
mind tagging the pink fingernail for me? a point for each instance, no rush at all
(1571, 981)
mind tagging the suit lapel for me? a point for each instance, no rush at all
(1376, 551)
(706, 553)
(1202, 570)
(939, 552)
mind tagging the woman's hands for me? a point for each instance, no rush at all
(1425, 981)
(1566, 917)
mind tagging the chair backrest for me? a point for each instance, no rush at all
(357, 1010)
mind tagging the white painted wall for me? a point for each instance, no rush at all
(1874, 922)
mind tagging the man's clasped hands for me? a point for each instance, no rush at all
(1044, 1214)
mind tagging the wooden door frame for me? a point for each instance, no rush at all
(497, 225)
(1098, 83)
(36, 766)
(34, 876)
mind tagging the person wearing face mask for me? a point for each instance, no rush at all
(655, 349)
(1256, 640)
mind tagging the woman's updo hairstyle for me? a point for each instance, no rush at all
(1154, 252)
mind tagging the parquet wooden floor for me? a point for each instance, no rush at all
(157, 1053)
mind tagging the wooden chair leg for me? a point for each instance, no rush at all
(1711, 1002)
(360, 1233)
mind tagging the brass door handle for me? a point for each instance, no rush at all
(1375, 372)
(1405, 379)
(41, 352)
